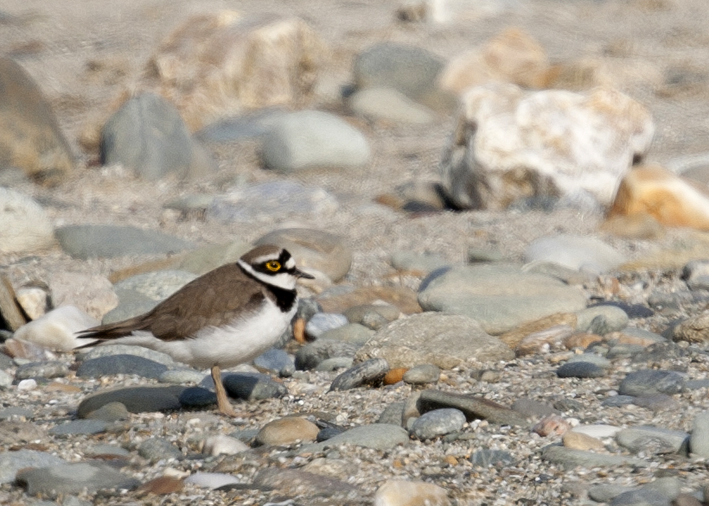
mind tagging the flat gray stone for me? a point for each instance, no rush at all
(580, 369)
(411, 261)
(445, 340)
(75, 478)
(651, 381)
(653, 440)
(699, 442)
(438, 422)
(575, 252)
(570, 458)
(120, 364)
(111, 241)
(388, 104)
(78, 427)
(107, 350)
(366, 372)
(313, 139)
(322, 322)
(473, 407)
(422, 374)
(51, 369)
(310, 355)
(379, 436)
(351, 333)
(157, 448)
(157, 285)
(252, 386)
(135, 399)
(498, 296)
(696, 274)
(276, 361)
(11, 462)
(614, 319)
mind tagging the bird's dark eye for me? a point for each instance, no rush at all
(273, 266)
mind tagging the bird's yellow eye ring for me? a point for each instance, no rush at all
(273, 266)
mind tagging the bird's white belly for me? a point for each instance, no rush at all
(240, 341)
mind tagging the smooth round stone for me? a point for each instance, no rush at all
(11, 462)
(111, 412)
(212, 480)
(198, 397)
(532, 408)
(438, 422)
(657, 402)
(422, 374)
(276, 361)
(613, 318)
(599, 431)
(445, 340)
(558, 271)
(313, 139)
(499, 297)
(135, 399)
(180, 376)
(307, 308)
(157, 285)
(222, 444)
(78, 427)
(26, 385)
(111, 241)
(411, 261)
(356, 314)
(570, 458)
(322, 322)
(269, 200)
(56, 329)
(699, 442)
(568, 406)
(253, 386)
(575, 252)
(696, 274)
(653, 440)
(580, 370)
(410, 493)
(313, 250)
(390, 105)
(156, 448)
(368, 371)
(16, 413)
(632, 310)
(489, 458)
(617, 401)
(591, 358)
(74, 478)
(53, 369)
(392, 413)
(107, 350)
(379, 436)
(332, 364)
(660, 491)
(310, 355)
(651, 381)
(120, 364)
(288, 430)
(351, 333)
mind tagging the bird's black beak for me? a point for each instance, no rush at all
(300, 274)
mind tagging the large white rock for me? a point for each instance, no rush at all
(510, 144)
(24, 226)
(56, 329)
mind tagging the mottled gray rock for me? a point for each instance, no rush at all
(332, 364)
(107, 350)
(252, 386)
(312, 139)
(247, 126)
(379, 436)
(575, 252)
(569, 458)
(650, 381)
(11, 462)
(276, 361)
(499, 296)
(614, 319)
(351, 333)
(120, 364)
(653, 440)
(592, 358)
(606, 491)
(148, 136)
(580, 370)
(422, 374)
(157, 448)
(438, 422)
(291, 482)
(445, 340)
(392, 413)
(473, 407)
(310, 355)
(617, 401)
(366, 372)
(111, 241)
(111, 412)
(696, 274)
(411, 261)
(532, 408)
(75, 478)
(322, 322)
(77, 427)
(313, 250)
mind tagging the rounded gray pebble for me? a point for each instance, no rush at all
(120, 364)
(580, 370)
(155, 449)
(438, 422)
(365, 372)
(310, 355)
(322, 322)
(252, 386)
(276, 361)
(422, 374)
(650, 381)
(111, 412)
(332, 364)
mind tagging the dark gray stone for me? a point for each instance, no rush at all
(533, 409)
(74, 478)
(198, 397)
(11, 462)
(422, 374)
(252, 386)
(473, 407)
(570, 458)
(135, 399)
(369, 371)
(653, 440)
(392, 413)
(580, 370)
(276, 361)
(310, 355)
(617, 401)
(111, 241)
(650, 381)
(379, 436)
(696, 274)
(157, 448)
(111, 412)
(120, 364)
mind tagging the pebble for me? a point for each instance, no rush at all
(422, 374)
(222, 444)
(580, 370)
(632, 310)
(252, 386)
(359, 313)
(76, 427)
(533, 408)
(335, 363)
(310, 355)
(491, 458)
(612, 319)
(410, 493)
(694, 329)
(699, 442)
(288, 430)
(379, 436)
(599, 431)
(388, 104)
(423, 263)
(61, 479)
(575, 252)
(211, 480)
(471, 406)
(135, 399)
(438, 422)
(653, 440)
(657, 402)
(590, 358)
(570, 458)
(157, 448)
(649, 382)
(322, 322)
(392, 413)
(276, 361)
(11, 462)
(579, 441)
(606, 492)
(24, 225)
(26, 385)
(351, 333)
(120, 364)
(363, 373)
(111, 412)
(35, 370)
(696, 274)
(106, 350)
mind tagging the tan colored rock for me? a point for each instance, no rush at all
(551, 425)
(512, 56)
(513, 337)
(9, 309)
(622, 338)
(670, 199)
(287, 430)
(581, 340)
(24, 225)
(510, 144)
(91, 293)
(57, 329)
(639, 226)
(410, 493)
(591, 72)
(33, 301)
(403, 298)
(694, 329)
(579, 441)
(218, 65)
(544, 341)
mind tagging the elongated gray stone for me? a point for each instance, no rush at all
(366, 372)
(473, 407)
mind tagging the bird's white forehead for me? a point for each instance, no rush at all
(265, 258)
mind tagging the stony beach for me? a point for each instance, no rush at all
(534, 354)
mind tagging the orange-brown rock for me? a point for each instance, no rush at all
(621, 338)
(544, 341)
(666, 197)
(581, 340)
(395, 375)
(514, 336)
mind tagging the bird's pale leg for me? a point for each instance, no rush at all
(223, 403)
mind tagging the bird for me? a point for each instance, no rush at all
(223, 318)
